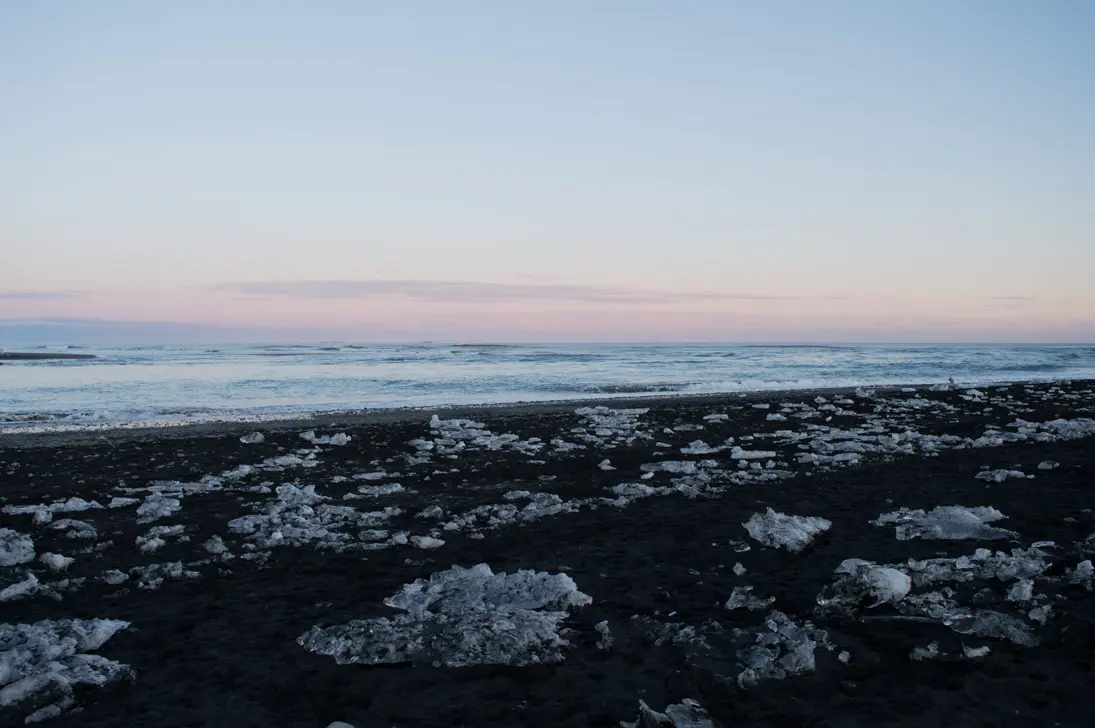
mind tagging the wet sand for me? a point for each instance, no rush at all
(220, 649)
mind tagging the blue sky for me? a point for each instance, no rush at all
(552, 171)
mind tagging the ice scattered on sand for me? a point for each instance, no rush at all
(610, 428)
(299, 516)
(44, 513)
(44, 661)
(153, 575)
(154, 539)
(742, 598)
(685, 714)
(15, 548)
(780, 530)
(497, 515)
(337, 439)
(945, 522)
(461, 617)
(254, 438)
(454, 436)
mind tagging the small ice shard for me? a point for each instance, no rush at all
(254, 438)
(776, 417)
(215, 545)
(1040, 614)
(930, 652)
(461, 617)
(844, 656)
(945, 522)
(718, 417)
(686, 714)
(1048, 465)
(15, 548)
(606, 639)
(76, 529)
(975, 652)
(1084, 573)
(605, 464)
(780, 530)
(57, 562)
(118, 502)
(114, 577)
(742, 598)
(739, 569)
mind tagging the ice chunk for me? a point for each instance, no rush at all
(76, 529)
(742, 597)
(785, 649)
(1048, 465)
(930, 652)
(974, 652)
(1021, 591)
(15, 548)
(686, 714)
(863, 582)
(461, 617)
(340, 438)
(779, 530)
(426, 542)
(945, 522)
(699, 447)
(988, 623)
(57, 562)
(739, 570)
(47, 659)
(157, 506)
(999, 476)
(738, 454)
(253, 438)
(20, 589)
(606, 639)
(606, 465)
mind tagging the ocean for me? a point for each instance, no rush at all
(183, 384)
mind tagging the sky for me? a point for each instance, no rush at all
(548, 171)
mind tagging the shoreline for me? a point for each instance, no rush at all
(123, 432)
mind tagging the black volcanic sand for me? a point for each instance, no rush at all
(37, 356)
(221, 650)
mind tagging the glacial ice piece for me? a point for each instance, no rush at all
(742, 597)
(930, 652)
(57, 562)
(76, 529)
(44, 661)
(606, 639)
(253, 438)
(461, 617)
(785, 649)
(157, 506)
(864, 582)
(999, 476)
(685, 714)
(945, 522)
(779, 530)
(989, 623)
(20, 589)
(15, 548)
(340, 438)
(1048, 465)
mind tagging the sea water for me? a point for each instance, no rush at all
(177, 384)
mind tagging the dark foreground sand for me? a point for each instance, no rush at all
(221, 650)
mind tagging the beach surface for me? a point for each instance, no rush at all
(237, 572)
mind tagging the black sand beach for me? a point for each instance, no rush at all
(218, 646)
